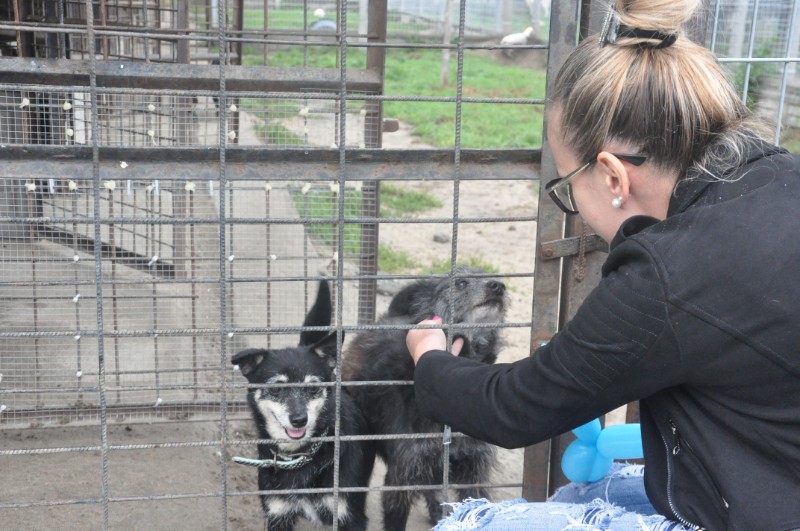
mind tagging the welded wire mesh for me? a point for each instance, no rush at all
(759, 43)
(159, 252)
(30, 115)
(128, 282)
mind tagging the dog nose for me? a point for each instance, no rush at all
(496, 287)
(298, 420)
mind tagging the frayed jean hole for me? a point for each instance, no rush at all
(627, 471)
(600, 513)
(473, 514)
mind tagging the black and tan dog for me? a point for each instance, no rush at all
(293, 414)
(391, 409)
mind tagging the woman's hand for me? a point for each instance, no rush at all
(421, 340)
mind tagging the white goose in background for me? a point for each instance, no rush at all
(516, 39)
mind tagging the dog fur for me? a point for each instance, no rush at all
(382, 355)
(294, 414)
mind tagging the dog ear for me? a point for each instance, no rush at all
(414, 301)
(318, 315)
(249, 359)
(325, 348)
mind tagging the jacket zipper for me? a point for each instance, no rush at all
(675, 450)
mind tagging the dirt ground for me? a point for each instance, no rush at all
(183, 484)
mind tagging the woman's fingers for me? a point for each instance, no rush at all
(420, 341)
(458, 344)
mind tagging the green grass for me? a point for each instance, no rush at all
(277, 134)
(483, 125)
(790, 139)
(321, 203)
(317, 57)
(441, 267)
(760, 73)
(391, 261)
(417, 73)
(395, 201)
(291, 18)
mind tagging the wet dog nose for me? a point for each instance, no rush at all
(498, 288)
(298, 420)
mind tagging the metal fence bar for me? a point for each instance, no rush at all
(222, 186)
(98, 266)
(750, 49)
(795, 21)
(341, 177)
(314, 92)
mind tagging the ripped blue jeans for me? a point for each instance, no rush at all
(617, 502)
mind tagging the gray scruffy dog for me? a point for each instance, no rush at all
(391, 409)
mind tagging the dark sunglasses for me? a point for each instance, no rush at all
(560, 188)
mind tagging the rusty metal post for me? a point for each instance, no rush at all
(373, 137)
(538, 459)
(25, 45)
(237, 47)
(183, 25)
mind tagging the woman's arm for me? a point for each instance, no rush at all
(618, 348)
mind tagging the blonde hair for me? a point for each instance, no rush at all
(674, 104)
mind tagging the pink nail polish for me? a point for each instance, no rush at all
(437, 318)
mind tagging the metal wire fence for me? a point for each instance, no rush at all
(759, 43)
(153, 226)
(176, 178)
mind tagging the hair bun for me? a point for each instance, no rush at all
(663, 16)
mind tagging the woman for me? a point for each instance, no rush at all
(697, 314)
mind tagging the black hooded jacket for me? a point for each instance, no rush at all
(698, 317)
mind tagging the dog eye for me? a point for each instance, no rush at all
(461, 283)
(315, 392)
(271, 392)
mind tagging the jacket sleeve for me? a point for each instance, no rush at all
(618, 348)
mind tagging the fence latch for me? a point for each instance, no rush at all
(571, 246)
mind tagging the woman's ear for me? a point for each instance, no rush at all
(616, 176)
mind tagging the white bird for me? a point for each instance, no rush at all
(516, 39)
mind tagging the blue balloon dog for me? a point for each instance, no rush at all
(589, 457)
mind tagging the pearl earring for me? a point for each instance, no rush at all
(616, 202)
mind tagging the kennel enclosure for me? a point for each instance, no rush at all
(177, 176)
